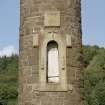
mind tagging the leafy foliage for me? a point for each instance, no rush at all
(88, 53)
(94, 78)
(8, 80)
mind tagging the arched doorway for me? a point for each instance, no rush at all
(52, 62)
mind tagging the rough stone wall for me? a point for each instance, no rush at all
(32, 21)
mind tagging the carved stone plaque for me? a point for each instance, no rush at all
(52, 18)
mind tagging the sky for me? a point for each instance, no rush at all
(93, 24)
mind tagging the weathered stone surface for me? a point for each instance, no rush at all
(33, 89)
(52, 18)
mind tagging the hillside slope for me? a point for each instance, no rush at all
(8, 80)
(94, 77)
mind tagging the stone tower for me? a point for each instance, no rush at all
(50, 52)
